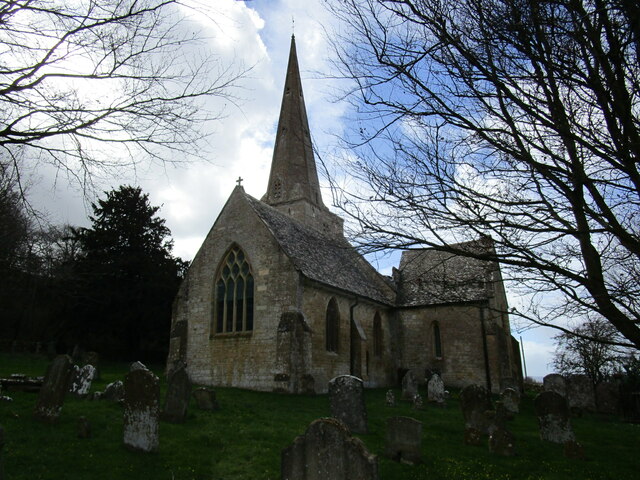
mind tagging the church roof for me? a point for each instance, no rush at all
(430, 277)
(330, 260)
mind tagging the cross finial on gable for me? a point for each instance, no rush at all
(239, 181)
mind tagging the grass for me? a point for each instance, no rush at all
(244, 439)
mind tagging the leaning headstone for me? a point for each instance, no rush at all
(409, 386)
(206, 399)
(113, 391)
(552, 411)
(327, 451)
(403, 440)
(390, 399)
(435, 390)
(54, 388)
(178, 395)
(82, 379)
(346, 398)
(554, 382)
(84, 428)
(510, 399)
(474, 402)
(137, 365)
(580, 393)
(141, 409)
(608, 397)
(418, 403)
(502, 442)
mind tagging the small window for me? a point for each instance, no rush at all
(234, 294)
(437, 341)
(378, 345)
(332, 325)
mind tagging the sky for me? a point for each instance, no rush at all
(256, 34)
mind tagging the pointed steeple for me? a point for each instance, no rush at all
(293, 174)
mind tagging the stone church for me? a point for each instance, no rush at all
(276, 299)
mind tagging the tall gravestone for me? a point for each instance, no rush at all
(178, 395)
(53, 390)
(475, 403)
(554, 382)
(581, 394)
(141, 409)
(435, 390)
(553, 415)
(403, 440)
(346, 399)
(409, 386)
(327, 451)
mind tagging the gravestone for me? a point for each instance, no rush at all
(552, 411)
(137, 365)
(409, 386)
(435, 390)
(608, 397)
(418, 404)
(403, 440)
(84, 428)
(206, 399)
(178, 394)
(474, 402)
(502, 442)
(580, 393)
(2, 477)
(82, 379)
(93, 359)
(554, 382)
(114, 391)
(141, 409)
(573, 450)
(53, 390)
(346, 399)
(390, 399)
(327, 451)
(510, 399)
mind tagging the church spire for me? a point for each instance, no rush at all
(293, 174)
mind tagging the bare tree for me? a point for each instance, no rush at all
(91, 85)
(590, 351)
(512, 119)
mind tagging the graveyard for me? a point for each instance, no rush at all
(244, 436)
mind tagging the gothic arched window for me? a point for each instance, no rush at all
(332, 325)
(437, 341)
(234, 294)
(378, 346)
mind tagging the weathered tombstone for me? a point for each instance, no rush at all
(502, 442)
(93, 359)
(206, 399)
(84, 428)
(418, 404)
(552, 411)
(178, 394)
(114, 391)
(409, 386)
(608, 397)
(141, 409)
(580, 393)
(403, 440)
(390, 398)
(54, 389)
(510, 399)
(474, 402)
(435, 390)
(554, 382)
(82, 379)
(137, 365)
(346, 398)
(327, 451)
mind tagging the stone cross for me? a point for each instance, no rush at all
(346, 398)
(327, 451)
(239, 181)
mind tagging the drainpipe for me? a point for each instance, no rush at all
(352, 329)
(485, 350)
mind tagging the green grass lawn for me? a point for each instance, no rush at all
(244, 439)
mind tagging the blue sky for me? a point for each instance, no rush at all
(252, 33)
